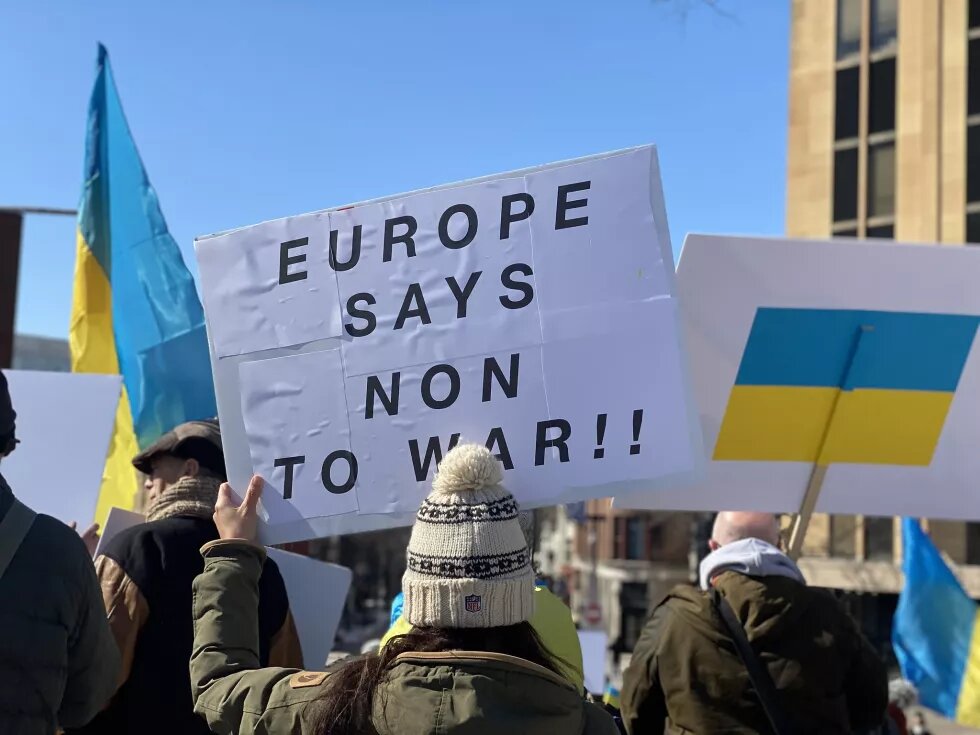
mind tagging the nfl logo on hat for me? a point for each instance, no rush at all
(473, 603)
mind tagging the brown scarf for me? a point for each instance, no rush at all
(189, 496)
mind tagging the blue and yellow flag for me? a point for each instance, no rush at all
(935, 631)
(886, 378)
(135, 311)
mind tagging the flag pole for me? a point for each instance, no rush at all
(801, 521)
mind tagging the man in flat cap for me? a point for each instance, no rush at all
(146, 574)
(58, 662)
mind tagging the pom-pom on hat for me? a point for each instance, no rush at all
(468, 561)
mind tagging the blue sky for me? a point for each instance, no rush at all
(245, 110)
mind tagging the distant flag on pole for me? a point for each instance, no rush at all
(936, 631)
(135, 311)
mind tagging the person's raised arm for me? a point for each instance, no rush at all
(230, 691)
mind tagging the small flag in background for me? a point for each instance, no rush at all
(135, 311)
(901, 376)
(935, 631)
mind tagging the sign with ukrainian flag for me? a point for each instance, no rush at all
(859, 357)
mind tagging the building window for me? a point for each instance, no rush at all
(636, 538)
(973, 126)
(633, 603)
(973, 226)
(655, 536)
(879, 539)
(881, 180)
(846, 96)
(848, 28)
(884, 24)
(864, 119)
(973, 77)
(842, 534)
(845, 184)
(973, 163)
(973, 543)
(881, 102)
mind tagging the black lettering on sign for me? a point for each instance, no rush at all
(471, 226)
(286, 260)
(561, 221)
(543, 441)
(491, 369)
(366, 314)
(433, 453)
(288, 463)
(430, 374)
(355, 251)
(522, 287)
(463, 294)
(420, 310)
(406, 237)
(507, 214)
(326, 472)
(388, 400)
(496, 439)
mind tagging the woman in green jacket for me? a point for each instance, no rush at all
(472, 662)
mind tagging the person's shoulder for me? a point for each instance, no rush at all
(57, 539)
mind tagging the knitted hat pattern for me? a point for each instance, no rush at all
(468, 561)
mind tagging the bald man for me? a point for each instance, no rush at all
(686, 675)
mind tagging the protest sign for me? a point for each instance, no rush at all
(594, 646)
(317, 595)
(532, 311)
(64, 423)
(856, 357)
(317, 590)
(116, 522)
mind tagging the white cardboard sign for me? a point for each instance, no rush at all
(64, 420)
(532, 311)
(317, 595)
(775, 328)
(594, 645)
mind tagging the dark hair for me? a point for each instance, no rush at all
(346, 706)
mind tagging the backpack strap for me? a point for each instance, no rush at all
(758, 674)
(13, 531)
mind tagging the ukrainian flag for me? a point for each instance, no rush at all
(135, 311)
(935, 631)
(886, 378)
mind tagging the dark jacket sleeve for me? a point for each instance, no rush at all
(230, 691)
(642, 699)
(93, 659)
(866, 685)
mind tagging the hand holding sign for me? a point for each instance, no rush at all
(234, 520)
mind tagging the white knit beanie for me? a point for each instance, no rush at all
(468, 562)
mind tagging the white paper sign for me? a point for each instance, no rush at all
(533, 312)
(64, 423)
(594, 644)
(861, 356)
(317, 594)
(116, 522)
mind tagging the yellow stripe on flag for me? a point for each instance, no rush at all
(767, 423)
(93, 350)
(968, 703)
(869, 426)
(873, 426)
